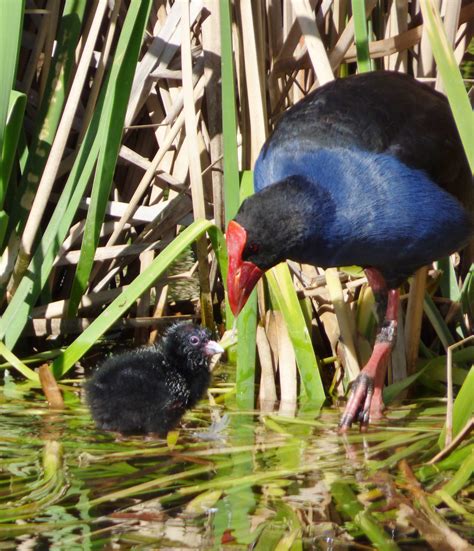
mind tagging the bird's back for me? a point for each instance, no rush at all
(380, 112)
(123, 372)
(137, 392)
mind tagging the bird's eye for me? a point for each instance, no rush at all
(253, 248)
(194, 340)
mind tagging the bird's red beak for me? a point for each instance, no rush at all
(242, 276)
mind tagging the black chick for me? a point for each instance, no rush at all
(148, 390)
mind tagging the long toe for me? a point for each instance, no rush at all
(359, 404)
(376, 406)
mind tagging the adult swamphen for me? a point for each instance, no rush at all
(147, 390)
(366, 170)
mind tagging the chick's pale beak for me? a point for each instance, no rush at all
(242, 275)
(212, 347)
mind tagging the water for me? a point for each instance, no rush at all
(262, 481)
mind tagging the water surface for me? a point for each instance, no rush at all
(282, 480)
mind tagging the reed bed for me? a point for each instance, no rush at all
(128, 130)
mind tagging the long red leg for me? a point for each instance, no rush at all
(365, 401)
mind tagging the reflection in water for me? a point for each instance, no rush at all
(280, 476)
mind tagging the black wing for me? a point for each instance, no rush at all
(383, 112)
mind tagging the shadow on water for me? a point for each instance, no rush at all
(281, 479)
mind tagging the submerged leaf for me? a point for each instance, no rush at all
(203, 502)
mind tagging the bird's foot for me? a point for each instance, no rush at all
(365, 401)
(364, 404)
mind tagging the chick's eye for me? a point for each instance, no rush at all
(194, 340)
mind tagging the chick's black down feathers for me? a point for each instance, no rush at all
(147, 390)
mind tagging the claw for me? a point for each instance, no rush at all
(358, 406)
(364, 414)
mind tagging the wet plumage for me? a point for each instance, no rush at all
(147, 390)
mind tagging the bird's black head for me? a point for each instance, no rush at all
(190, 345)
(276, 221)
(271, 226)
(263, 246)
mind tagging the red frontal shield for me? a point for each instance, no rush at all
(242, 276)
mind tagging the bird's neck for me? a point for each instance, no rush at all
(293, 215)
(199, 379)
